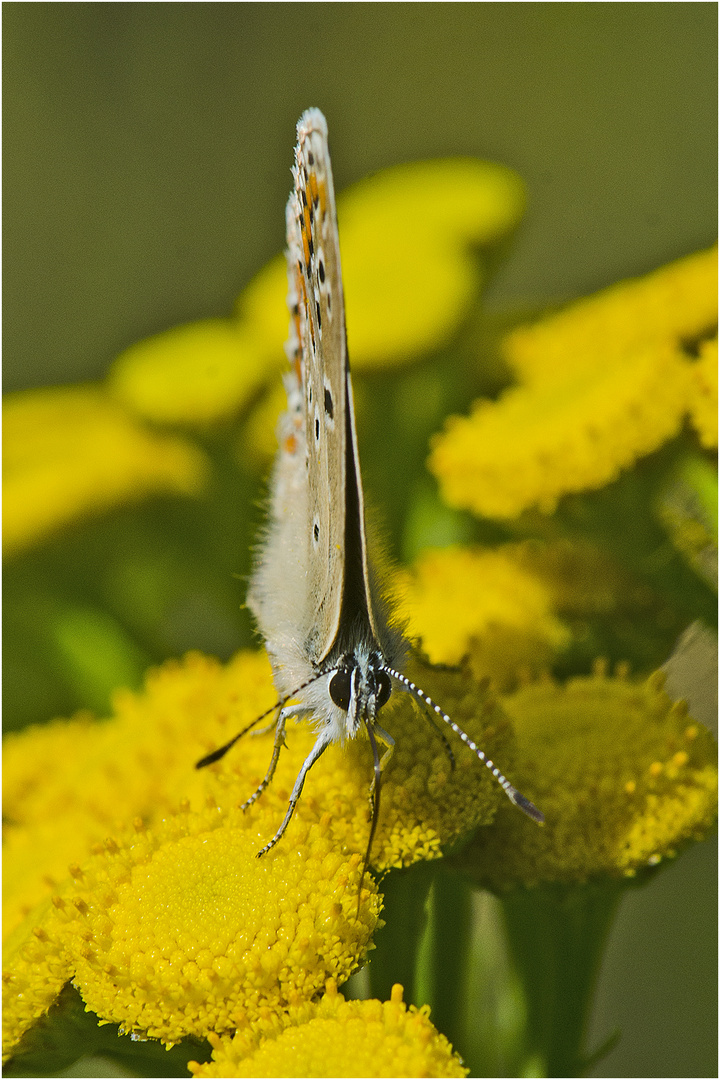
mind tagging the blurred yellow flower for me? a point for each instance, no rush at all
(72, 451)
(406, 290)
(406, 237)
(602, 383)
(198, 373)
(336, 1037)
(508, 610)
(542, 441)
(704, 394)
(623, 775)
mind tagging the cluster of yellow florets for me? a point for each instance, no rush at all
(170, 925)
(336, 1037)
(600, 385)
(623, 775)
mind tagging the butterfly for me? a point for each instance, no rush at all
(313, 591)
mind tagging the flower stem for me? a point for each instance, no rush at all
(442, 975)
(394, 959)
(556, 938)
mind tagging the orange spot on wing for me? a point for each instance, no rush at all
(322, 195)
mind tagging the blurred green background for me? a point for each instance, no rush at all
(147, 155)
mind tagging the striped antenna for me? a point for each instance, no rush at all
(512, 793)
(221, 751)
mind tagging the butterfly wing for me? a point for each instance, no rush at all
(314, 253)
(297, 585)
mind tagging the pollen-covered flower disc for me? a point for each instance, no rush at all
(624, 775)
(181, 929)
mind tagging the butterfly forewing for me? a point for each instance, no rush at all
(324, 373)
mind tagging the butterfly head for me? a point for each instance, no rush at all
(359, 686)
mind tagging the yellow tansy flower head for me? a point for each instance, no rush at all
(674, 304)
(604, 382)
(540, 442)
(336, 1037)
(405, 237)
(482, 605)
(623, 775)
(181, 930)
(72, 451)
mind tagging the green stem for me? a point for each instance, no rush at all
(394, 959)
(556, 939)
(443, 982)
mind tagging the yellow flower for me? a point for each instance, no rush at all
(504, 609)
(602, 383)
(228, 932)
(181, 930)
(197, 373)
(405, 238)
(677, 304)
(72, 451)
(35, 969)
(623, 775)
(540, 442)
(482, 604)
(704, 394)
(336, 1037)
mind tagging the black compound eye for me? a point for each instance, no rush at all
(339, 688)
(384, 689)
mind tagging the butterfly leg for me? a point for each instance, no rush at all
(387, 738)
(264, 730)
(279, 743)
(323, 741)
(286, 712)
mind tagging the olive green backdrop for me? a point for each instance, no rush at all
(147, 153)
